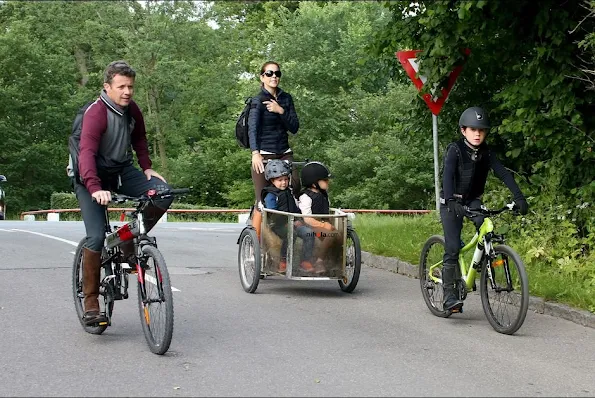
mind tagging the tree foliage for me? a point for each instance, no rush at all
(522, 69)
(530, 66)
(198, 61)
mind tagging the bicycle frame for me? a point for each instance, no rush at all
(116, 278)
(482, 242)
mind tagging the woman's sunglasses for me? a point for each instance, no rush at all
(270, 73)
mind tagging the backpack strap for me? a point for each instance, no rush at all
(253, 99)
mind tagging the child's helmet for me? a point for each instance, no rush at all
(474, 117)
(276, 168)
(313, 172)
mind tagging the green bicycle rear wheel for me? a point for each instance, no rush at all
(432, 291)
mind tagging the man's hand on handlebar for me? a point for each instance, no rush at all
(102, 197)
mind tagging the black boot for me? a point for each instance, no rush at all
(451, 296)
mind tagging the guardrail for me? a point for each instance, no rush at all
(212, 211)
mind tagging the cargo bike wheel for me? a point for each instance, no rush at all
(353, 262)
(249, 259)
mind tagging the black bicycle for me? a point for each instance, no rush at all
(155, 299)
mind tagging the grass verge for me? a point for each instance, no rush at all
(404, 236)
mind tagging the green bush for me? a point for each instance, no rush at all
(66, 200)
(63, 200)
(560, 261)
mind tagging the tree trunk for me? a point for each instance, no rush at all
(153, 102)
(81, 62)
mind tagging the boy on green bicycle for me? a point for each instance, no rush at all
(465, 170)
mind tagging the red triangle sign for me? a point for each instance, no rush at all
(409, 61)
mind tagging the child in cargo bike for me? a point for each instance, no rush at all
(314, 200)
(277, 196)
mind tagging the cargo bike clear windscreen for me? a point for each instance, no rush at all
(292, 238)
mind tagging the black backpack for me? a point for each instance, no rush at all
(74, 140)
(242, 123)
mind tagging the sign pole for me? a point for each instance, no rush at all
(436, 179)
(409, 61)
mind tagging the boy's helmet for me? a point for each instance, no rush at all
(313, 172)
(474, 117)
(276, 168)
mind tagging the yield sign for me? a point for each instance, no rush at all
(409, 61)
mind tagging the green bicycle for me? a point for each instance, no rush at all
(504, 286)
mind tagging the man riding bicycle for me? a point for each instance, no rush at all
(112, 126)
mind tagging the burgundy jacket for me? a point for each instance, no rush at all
(109, 133)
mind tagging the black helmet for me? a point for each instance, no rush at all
(474, 117)
(276, 168)
(313, 172)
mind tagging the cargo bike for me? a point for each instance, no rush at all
(259, 252)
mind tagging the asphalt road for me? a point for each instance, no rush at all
(290, 338)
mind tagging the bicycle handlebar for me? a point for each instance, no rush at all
(179, 191)
(121, 198)
(484, 211)
(290, 162)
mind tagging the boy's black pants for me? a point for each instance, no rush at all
(452, 226)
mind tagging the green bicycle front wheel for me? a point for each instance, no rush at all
(505, 302)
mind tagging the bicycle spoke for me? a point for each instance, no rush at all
(435, 289)
(248, 257)
(349, 260)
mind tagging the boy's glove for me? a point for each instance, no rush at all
(455, 207)
(522, 205)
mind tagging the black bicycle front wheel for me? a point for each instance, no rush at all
(155, 301)
(432, 290)
(249, 260)
(505, 304)
(353, 262)
(77, 290)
